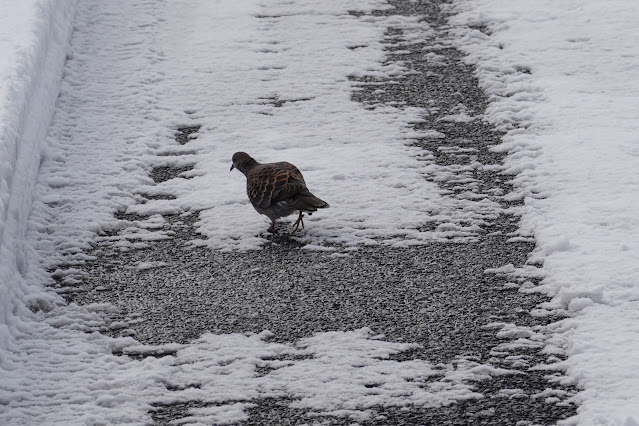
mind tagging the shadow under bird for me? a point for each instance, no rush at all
(277, 189)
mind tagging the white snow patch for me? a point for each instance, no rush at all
(142, 266)
(34, 36)
(285, 95)
(341, 374)
(562, 81)
(272, 80)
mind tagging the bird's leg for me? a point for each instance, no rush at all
(272, 227)
(299, 222)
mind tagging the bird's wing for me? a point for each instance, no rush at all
(274, 182)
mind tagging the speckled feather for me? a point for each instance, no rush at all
(276, 189)
(268, 183)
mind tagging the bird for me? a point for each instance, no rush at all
(276, 189)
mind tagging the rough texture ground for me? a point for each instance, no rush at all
(437, 295)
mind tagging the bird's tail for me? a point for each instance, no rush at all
(310, 203)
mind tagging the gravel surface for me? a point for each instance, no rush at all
(437, 295)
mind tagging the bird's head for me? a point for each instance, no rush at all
(242, 161)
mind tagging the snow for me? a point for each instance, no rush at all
(340, 374)
(562, 77)
(33, 40)
(136, 72)
(343, 374)
(245, 88)
(562, 80)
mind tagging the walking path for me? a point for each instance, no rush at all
(414, 299)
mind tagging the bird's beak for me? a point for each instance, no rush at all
(232, 167)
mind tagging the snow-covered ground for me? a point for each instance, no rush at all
(271, 80)
(33, 40)
(563, 83)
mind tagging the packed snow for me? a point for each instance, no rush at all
(563, 83)
(246, 87)
(136, 72)
(563, 78)
(33, 41)
(344, 374)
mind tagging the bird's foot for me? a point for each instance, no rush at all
(271, 228)
(299, 222)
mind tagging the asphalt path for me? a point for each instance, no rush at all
(437, 295)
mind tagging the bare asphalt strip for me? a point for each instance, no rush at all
(437, 295)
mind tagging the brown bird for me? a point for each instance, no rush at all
(276, 189)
